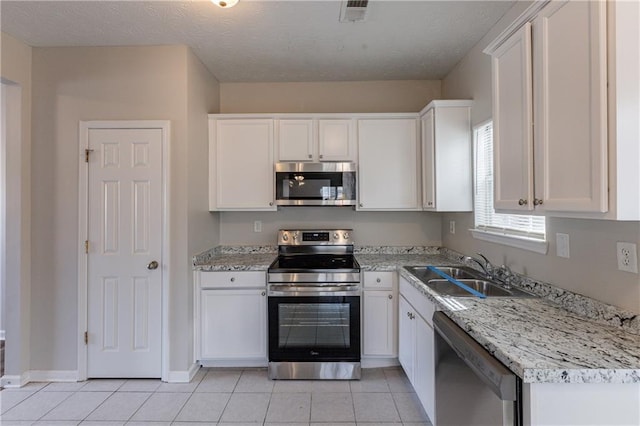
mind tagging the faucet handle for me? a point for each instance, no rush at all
(505, 274)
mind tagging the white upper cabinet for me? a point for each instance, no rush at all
(549, 111)
(388, 162)
(241, 172)
(513, 122)
(570, 83)
(447, 180)
(319, 139)
(295, 140)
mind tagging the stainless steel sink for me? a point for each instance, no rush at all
(467, 276)
(457, 272)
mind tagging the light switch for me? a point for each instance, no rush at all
(562, 245)
(257, 226)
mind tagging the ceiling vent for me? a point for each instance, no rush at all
(353, 11)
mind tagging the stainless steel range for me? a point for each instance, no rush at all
(314, 306)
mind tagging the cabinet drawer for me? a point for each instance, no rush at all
(233, 279)
(423, 306)
(379, 280)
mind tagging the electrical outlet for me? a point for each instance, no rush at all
(562, 245)
(257, 226)
(452, 226)
(627, 257)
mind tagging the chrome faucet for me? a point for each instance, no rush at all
(486, 266)
(502, 274)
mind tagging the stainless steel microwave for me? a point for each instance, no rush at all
(315, 184)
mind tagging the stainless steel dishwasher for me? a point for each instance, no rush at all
(472, 387)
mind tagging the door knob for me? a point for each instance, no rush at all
(152, 265)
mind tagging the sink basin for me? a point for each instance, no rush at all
(481, 286)
(457, 272)
(467, 276)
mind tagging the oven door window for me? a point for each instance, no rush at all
(314, 328)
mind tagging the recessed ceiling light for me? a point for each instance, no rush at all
(225, 4)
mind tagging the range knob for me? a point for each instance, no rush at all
(336, 236)
(285, 237)
(346, 235)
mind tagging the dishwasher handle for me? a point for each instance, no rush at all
(492, 372)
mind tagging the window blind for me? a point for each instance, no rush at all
(485, 216)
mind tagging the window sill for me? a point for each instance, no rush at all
(530, 244)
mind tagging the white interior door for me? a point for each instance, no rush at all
(124, 288)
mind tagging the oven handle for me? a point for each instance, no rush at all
(314, 290)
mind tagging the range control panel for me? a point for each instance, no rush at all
(289, 237)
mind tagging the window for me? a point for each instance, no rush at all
(523, 231)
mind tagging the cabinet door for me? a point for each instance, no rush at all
(571, 106)
(388, 164)
(336, 141)
(512, 123)
(379, 323)
(295, 140)
(406, 337)
(233, 324)
(424, 373)
(244, 178)
(428, 161)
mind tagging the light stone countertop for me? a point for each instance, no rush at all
(541, 341)
(558, 338)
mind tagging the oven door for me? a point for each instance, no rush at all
(314, 328)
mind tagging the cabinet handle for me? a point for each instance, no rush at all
(270, 203)
(233, 279)
(360, 205)
(537, 202)
(310, 156)
(522, 202)
(321, 156)
(377, 280)
(264, 293)
(391, 296)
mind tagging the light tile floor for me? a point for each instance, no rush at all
(217, 397)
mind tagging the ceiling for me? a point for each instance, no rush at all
(269, 40)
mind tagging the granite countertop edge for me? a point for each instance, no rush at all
(545, 370)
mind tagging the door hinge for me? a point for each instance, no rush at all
(87, 152)
(86, 337)
(86, 246)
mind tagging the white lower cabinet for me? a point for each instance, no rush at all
(416, 344)
(231, 319)
(380, 301)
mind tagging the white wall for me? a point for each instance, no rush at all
(203, 97)
(109, 83)
(592, 268)
(370, 228)
(16, 65)
(337, 96)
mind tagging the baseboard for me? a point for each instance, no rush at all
(379, 362)
(260, 362)
(183, 376)
(14, 381)
(17, 381)
(53, 376)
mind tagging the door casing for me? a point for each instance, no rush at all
(83, 220)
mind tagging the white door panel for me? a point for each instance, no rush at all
(125, 235)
